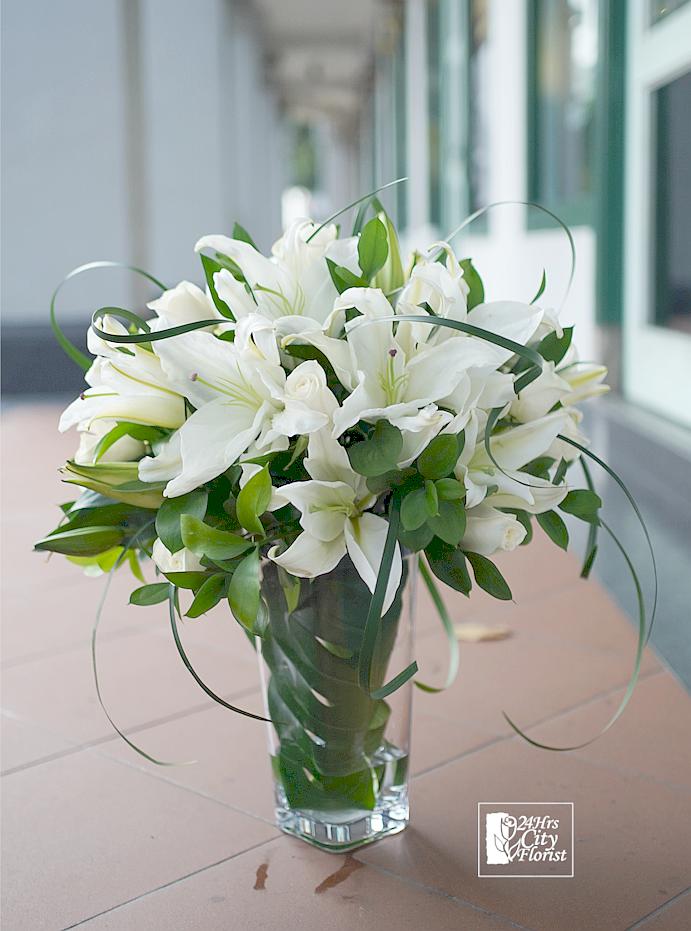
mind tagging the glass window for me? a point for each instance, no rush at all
(563, 62)
(478, 107)
(661, 8)
(458, 109)
(672, 206)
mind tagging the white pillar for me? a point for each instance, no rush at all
(417, 128)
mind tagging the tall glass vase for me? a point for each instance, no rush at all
(339, 757)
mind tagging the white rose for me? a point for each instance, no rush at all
(489, 530)
(308, 404)
(182, 561)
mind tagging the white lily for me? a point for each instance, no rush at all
(242, 398)
(335, 520)
(296, 281)
(512, 449)
(540, 396)
(584, 380)
(185, 303)
(124, 385)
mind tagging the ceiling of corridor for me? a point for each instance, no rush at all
(319, 53)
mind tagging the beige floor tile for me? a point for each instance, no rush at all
(529, 679)
(231, 753)
(23, 742)
(673, 917)
(300, 889)
(652, 737)
(142, 677)
(84, 833)
(631, 838)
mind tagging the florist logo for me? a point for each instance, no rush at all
(532, 839)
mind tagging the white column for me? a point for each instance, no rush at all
(417, 131)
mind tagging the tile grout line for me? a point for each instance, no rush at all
(657, 911)
(109, 738)
(173, 882)
(547, 720)
(434, 890)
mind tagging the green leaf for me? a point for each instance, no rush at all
(82, 541)
(150, 594)
(373, 248)
(539, 467)
(208, 595)
(450, 489)
(560, 472)
(243, 591)
(379, 452)
(476, 295)
(449, 523)
(541, 289)
(170, 512)
(343, 278)
(416, 540)
(553, 348)
(583, 504)
(135, 430)
(203, 540)
(211, 266)
(488, 577)
(554, 527)
(432, 498)
(439, 458)
(239, 232)
(414, 510)
(253, 500)
(188, 580)
(449, 565)
(291, 588)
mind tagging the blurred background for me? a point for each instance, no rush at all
(132, 127)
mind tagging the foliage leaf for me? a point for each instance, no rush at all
(373, 248)
(554, 527)
(379, 452)
(438, 459)
(209, 541)
(488, 577)
(81, 541)
(253, 500)
(449, 565)
(582, 503)
(168, 517)
(209, 594)
(150, 594)
(476, 295)
(449, 523)
(244, 591)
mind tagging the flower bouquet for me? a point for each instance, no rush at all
(299, 440)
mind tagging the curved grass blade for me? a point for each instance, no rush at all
(369, 637)
(193, 672)
(146, 337)
(632, 501)
(642, 640)
(591, 546)
(354, 204)
(454, 652)
(94, 633)
(523, 203)
(77, 356)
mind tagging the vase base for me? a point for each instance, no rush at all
(341, 831)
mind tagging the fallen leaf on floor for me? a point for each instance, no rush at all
(470, 632)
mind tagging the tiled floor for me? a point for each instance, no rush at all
(95, 836)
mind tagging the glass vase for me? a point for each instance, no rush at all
(339, 757)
